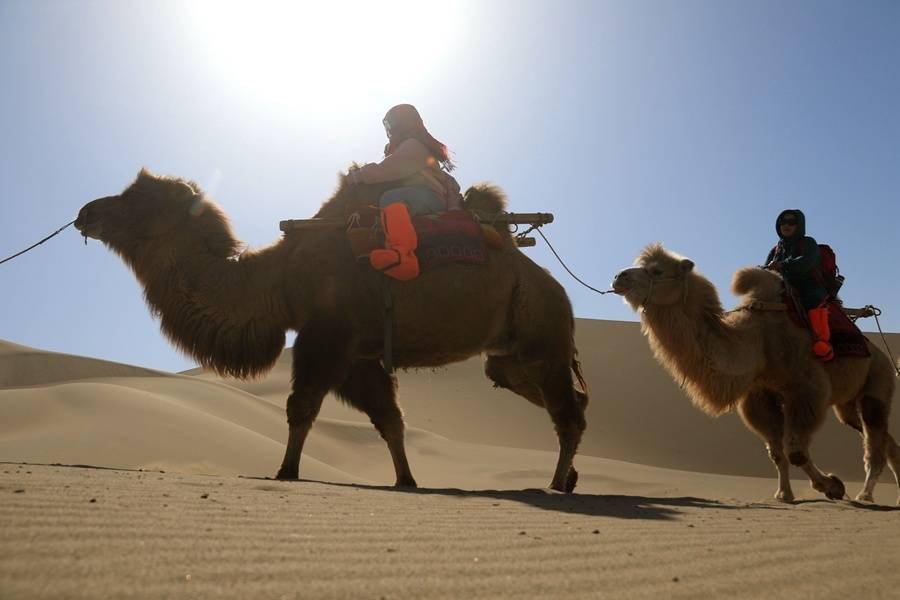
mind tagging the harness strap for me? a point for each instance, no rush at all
(760, 305)
(388, 359)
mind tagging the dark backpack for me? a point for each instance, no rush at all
(829, 273)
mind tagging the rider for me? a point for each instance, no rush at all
(797, 258)
(420, 165)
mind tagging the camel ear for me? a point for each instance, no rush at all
(687, 265)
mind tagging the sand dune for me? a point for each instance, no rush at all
(21, 366)
(685, 516)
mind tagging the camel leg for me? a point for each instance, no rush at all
(761, 412)
(566, 407)
(874, 417)
(827, 483)
(302, 410)
(848, 414)
(893, 458)
(507, 372)
(320, 363)
(558, 395)
(804, 412)
(369, 389)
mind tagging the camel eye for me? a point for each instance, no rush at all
(656, 271)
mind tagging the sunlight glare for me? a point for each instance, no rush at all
(325, 56)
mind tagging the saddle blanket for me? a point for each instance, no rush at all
(453, 236)
(846, 338)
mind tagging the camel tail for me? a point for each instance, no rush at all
(486, 201)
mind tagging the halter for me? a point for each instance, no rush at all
(682, 279)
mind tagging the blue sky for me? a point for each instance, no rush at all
(692, 123)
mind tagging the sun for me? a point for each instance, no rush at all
(325, 56)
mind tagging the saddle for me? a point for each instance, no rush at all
(846, 338)
(453, 236)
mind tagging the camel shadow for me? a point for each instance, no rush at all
(592, 505)
(848, 502)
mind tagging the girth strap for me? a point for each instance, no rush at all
(760, 305)
(388, 359)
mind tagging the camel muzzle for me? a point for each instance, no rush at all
(88, 222)
(622, 283)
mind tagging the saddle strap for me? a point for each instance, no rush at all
(388, 359)
(760, 305)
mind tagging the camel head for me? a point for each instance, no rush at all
(659, 278)
(150, 208)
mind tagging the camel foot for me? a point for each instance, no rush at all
(785, 496)
(568, 485)
(833, 489)
(864, 497)
(288, 473)
(406, 482)
(571, 480)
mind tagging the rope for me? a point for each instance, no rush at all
(876, 312)
(353, 220)
(37, 244)
(569, 271)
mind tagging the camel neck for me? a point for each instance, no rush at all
(229, 314)
(687, 340)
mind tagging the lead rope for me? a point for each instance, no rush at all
(57, 232)
(569, 271)
(875, 313)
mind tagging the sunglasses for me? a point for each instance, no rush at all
(788, 221)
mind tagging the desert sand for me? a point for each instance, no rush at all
(122, 481)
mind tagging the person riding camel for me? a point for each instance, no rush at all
(420, 165)
(796, 256)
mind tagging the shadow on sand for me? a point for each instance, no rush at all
(594, 505)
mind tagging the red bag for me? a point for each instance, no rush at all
(830, 274)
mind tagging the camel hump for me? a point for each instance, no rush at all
(485, 199)
(758, 284)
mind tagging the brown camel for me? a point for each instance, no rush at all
(760, 363)
(229, 310)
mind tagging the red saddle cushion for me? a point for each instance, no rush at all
(453, 236)
(846, 338)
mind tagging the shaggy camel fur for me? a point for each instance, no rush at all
(760, 363)
(229, 310)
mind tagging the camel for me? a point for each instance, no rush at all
(761, 364)
(229, 310)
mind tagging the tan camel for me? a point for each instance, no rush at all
(229, 310)
(760, 363)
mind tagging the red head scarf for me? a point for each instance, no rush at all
(403, 122)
